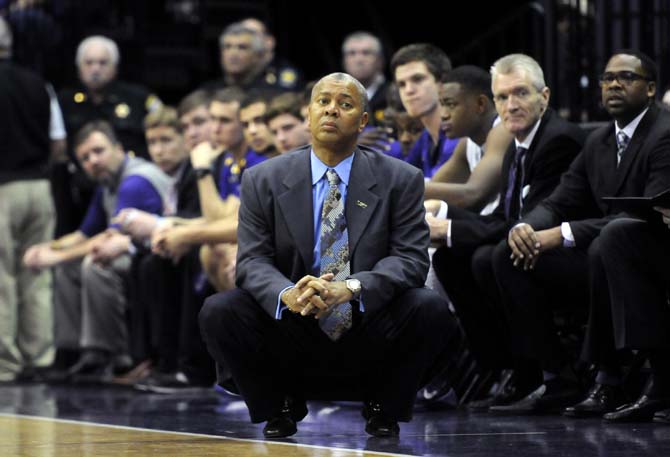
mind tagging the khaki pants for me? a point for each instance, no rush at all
(91, 304)
(26, 313)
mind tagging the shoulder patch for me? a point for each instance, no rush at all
(122, 110)
(152, 103)
(288, 78)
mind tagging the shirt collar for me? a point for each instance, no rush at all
(343, 169)
(529, 139)
(629, 130)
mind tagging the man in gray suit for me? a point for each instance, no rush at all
(331, 263)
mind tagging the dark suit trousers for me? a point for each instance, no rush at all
(390, 354)
(467, 277)
(629, 305)
(167, 292)
(558, 281)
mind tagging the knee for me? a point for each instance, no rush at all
(617, 233)
(212, 310)
(219, 310)
(481, 263)
(432, 308)
(89, 269)
(500, 258)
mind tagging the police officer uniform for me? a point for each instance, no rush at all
(275, 78)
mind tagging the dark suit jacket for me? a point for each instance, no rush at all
(188, 198)
(377, 104)
(555, 145)
(644, 171)
(388, 237)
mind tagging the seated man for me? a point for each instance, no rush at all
(418, 69)
(471, 177)
(463, 264)
(285, 122)
(256, 131)
(406, 129)
(164, 317)
(90, 298)
(218, 168)
(324, 294)
(568, 249)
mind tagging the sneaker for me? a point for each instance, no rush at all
(169, 383)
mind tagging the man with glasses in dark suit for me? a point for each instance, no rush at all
(560, 254)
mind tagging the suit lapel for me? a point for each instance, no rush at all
(536, 144)
(633, 148)
(296, 206)
(361, 202)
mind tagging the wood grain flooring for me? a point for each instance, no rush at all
(22, 436)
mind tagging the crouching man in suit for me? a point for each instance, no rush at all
(331, 263)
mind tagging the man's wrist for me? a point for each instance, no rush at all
(354, 286)
(567, 237)
(201, 172)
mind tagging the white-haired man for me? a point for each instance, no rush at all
(97, 96)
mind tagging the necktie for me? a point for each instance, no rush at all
(335, 255)
(511, 179)
(622, 141)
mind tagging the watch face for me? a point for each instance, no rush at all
(354, 285)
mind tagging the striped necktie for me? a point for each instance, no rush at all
(622, 141)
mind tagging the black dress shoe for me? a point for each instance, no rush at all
(655, 397)
(602, 399)
(280, 427)
(284, 424)
(513, 387)
(91, 361)
(93, 367)
(662, 417)
(642, 410)
(378, 423)
(552, 395)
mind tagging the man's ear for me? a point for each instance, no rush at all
(482, 103)
(546, 94)
(651, 89)
(364, 121)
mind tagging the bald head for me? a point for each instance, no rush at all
(347, 79)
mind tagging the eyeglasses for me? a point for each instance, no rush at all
(625, 78)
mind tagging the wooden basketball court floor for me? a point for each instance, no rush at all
(38, 420)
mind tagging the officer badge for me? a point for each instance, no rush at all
(122, 110)
(152, 103)
(288, 78)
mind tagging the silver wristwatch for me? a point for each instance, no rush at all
(354, 286)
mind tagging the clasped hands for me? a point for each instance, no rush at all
(527, 244)
(316, 296)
